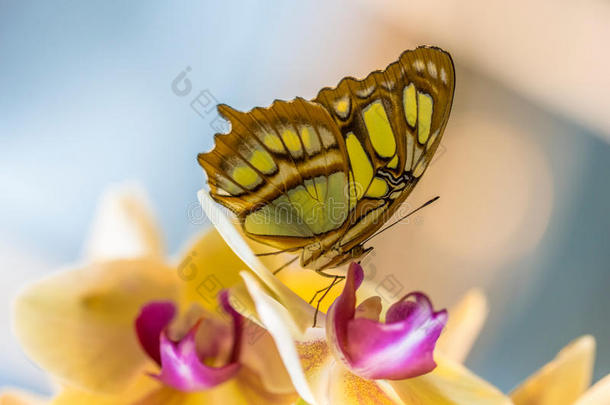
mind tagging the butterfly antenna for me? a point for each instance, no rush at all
(283, 266)
(401, 219)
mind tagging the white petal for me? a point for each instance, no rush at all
(124, 227)
(300, 311)
(280, 325)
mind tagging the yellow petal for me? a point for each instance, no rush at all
(301, 312)
(124, 227)
(148, 391)
(347, 388)
(208, 266)
(466, 320)
(78, 324)
(142, 386)
(449, 384)
(563, 380)
(599, 394)
(253, 391)
(228, 393)
(13, 397)
(168, 396)
(305, 283)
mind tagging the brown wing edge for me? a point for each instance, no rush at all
(442, 59)
(244, 126)
(403, 55)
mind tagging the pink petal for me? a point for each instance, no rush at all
(152, 320)
(401, 348)
(343, 310)
(183, 370)
(418, 309)
(182, 366)
(398, 350)
(238, 324)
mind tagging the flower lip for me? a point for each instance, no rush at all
(154, 317)
(184, 365)
(400, 348)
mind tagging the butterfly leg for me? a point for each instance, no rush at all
(325, 291)
(323, 274)
(283, 266)
(336, 280)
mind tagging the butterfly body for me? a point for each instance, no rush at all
(322, 176)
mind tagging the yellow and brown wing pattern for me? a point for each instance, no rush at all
(324, 175)
(392, 122)
(281, 170)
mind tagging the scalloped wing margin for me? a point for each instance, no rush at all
(279, 170)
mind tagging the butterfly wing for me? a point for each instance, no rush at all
(324, 175)
(283, 171)
(392, 123)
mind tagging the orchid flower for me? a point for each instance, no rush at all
(566, 380)
(293, 283)
(398, 349)
(128, 327)
(356, 359)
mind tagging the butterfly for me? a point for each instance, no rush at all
(321, 176)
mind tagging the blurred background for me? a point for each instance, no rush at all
(87, 103)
